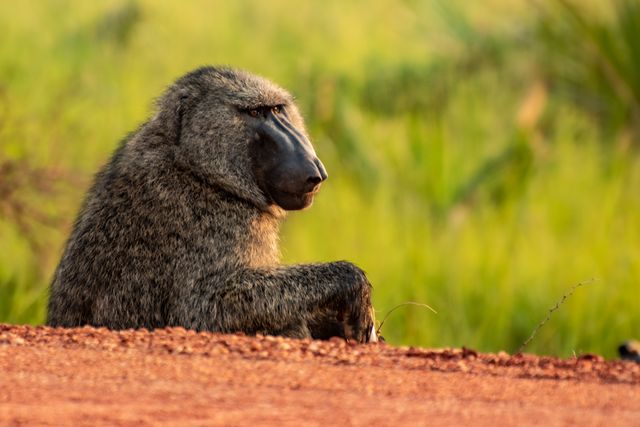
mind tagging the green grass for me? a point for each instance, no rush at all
(442, 186)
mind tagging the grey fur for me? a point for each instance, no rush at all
(175, 231)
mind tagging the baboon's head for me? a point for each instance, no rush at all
(244, 134)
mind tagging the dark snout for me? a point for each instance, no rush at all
(315, 173)
(286, 165)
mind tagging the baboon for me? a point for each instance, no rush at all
(180, 228)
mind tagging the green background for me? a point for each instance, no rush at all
(483, 156)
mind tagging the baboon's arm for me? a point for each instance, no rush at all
(273, 300)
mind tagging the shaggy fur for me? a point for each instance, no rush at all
(176, 232)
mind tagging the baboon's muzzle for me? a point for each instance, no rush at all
(285, 164)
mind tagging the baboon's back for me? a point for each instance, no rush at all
(108, 275)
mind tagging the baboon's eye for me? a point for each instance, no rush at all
(276, 109)
(254, 112)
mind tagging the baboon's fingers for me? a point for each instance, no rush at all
(359, 323)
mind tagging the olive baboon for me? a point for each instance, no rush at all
(180, 228)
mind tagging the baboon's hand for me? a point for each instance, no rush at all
(356, 312)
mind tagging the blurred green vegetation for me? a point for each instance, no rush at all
(483, 156)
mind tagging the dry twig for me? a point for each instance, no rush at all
(401, 305)
(552, 309)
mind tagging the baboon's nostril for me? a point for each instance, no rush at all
(315, 180)
(317, 174)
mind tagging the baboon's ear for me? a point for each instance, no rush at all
(172, 108)
(179, 116)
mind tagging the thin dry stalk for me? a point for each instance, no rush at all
(552, 309)
(401, 305)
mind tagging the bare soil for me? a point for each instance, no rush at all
(93, 376)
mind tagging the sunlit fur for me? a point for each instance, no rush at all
(175, 231)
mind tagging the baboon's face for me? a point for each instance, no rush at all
(244, 134)
(284, 162)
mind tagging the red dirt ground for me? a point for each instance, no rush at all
(175, 377)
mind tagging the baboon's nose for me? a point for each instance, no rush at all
(314, 180)
(317, 175)
(321, 170)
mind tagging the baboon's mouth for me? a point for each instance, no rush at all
(313, 192)
(294, 200)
